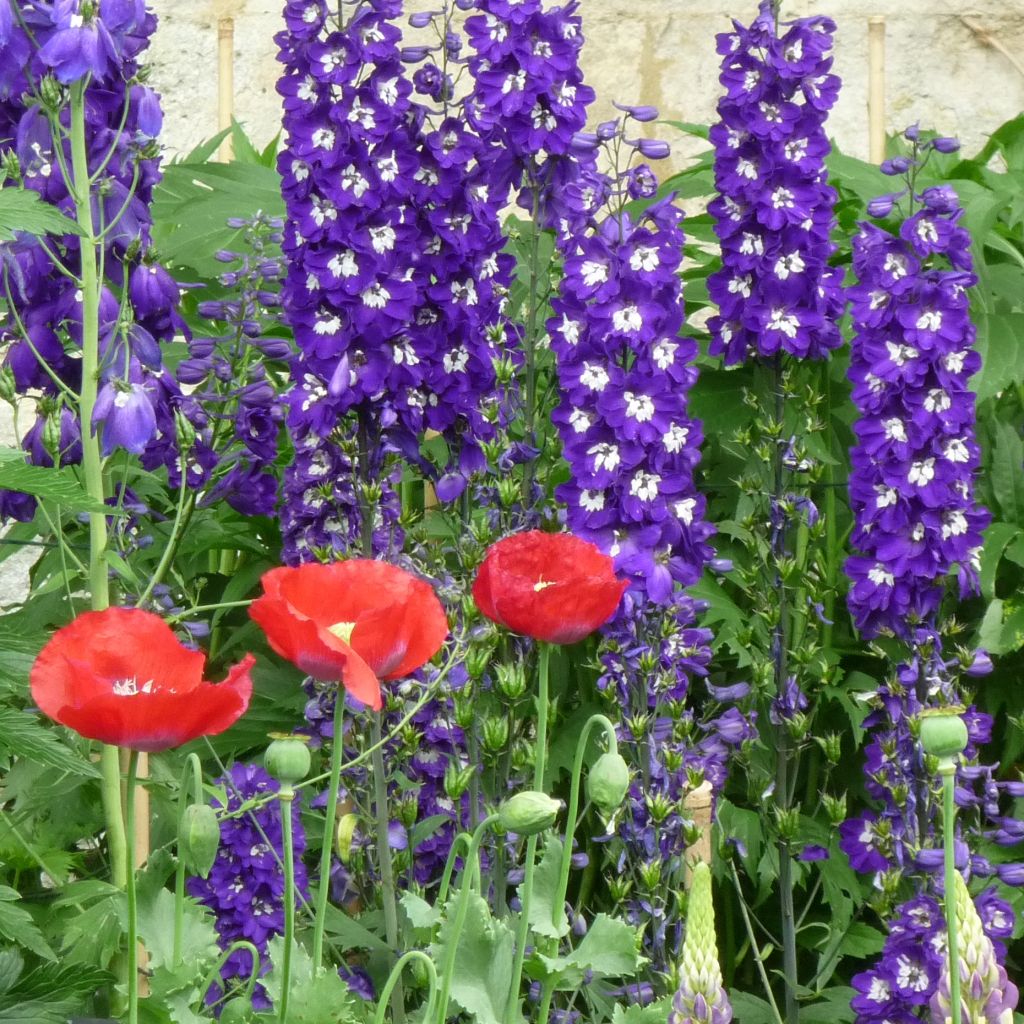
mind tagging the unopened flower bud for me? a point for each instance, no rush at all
(787, 822)
(831, 746)
(528, 813)
(495, 733)
(51, 93)
(943, 732)
(343, 836)
(199, 839)
(619, 889)
(465, 711)
(8, 387)
(477, 660)
(608, 782)
(650, 874)
(835, 808)
(511, 680)
(457, 780)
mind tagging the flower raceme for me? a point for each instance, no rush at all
(553, 587)
(355, 622)
(121, 676)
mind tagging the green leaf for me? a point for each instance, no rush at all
(608, 950)
(156, 928)
(483, 961)
(545, 886)
(316, 997)
(833, 1007)
(59, 485)
(997, 539)
(1006, 475)
(22, 734)
(420, 913)
(1002, 354)
(654, 1013)
(21, 209)
(92, 934)
(11, 965)
(16, 923)
(750, 1009)
(862, 941)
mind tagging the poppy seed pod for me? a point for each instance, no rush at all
(288, 759)
(943, 733)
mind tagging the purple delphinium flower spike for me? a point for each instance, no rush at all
(245, 887)
(774, 212)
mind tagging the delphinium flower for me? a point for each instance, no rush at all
(916, 457)
(235, 377)
(701, 997)
(47, 52)
(245, 887)
(624, 376)
(774, 213)
(395, 273)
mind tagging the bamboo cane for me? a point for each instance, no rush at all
(876, 88)
(225, 83)
(698, 807)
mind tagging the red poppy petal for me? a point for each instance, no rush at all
(362, 683)
(571, 612)
(397, 639)
(298, 639)
(344, 591)
(99, 648)
(156, 721)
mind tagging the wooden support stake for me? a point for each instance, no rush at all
(140, 844)
(698, 806)
(225, 83)
(876, 88)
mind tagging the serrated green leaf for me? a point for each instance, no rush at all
(156, 928)
(545, 886)
(57, 485)
(483, 961)
(16, 924)
(653, 1013)
(316, 997)
(38, 1011)
(607, 950)
(749, 1009)
(420, 913)
(23, 735)
(21, 209)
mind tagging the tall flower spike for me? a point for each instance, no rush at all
(775, 211)
(987, 996)
(701, 997)
(916, 457)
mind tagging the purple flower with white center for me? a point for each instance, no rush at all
(774, 213)
(124, 414)
(245, 888)
(915, 461)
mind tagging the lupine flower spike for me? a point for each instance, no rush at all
(987, 996)
(701, 997)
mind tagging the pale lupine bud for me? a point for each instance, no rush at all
(701, 997)
(987, 996)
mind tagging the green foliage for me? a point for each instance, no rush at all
(317, 997)
(22, 210)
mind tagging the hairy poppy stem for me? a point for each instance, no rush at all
(387, 870)
(329, 829)
(192, 772)
(396, 974)
(133, 910)
(285, 797)
(539, 765)
(947, 769)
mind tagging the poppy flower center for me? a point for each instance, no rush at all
(131, 687)
(543, 584)
(342, 630)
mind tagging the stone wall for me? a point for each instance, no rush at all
(943, 68)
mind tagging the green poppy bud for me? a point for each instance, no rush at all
(943, 732)
(288, 760)
(608, 782)
(344, 835)
(529, 813)
(199, 838)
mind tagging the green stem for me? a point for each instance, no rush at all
(92, 464)
(385, 863)
(539, 765)
(193, 771)
(396, 974)
(214, 973)
(285, 797)
(462, 839)
(133, 911)
(470, 872)
(948, 772)
(329, 826)
(755, 949)
(558, 907)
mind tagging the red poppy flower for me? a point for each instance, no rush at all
(551, 586)
(355, 622)
(121, 676)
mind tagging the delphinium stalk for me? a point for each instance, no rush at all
(245, 888)
(779, 301)
(917, 526)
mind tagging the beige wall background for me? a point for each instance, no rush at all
(956, 67)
